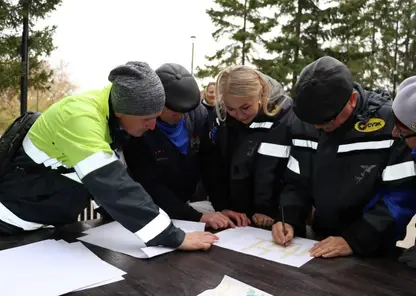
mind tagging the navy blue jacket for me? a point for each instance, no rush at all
(361, 181)
(171, 178)
(244, 164)
(211, 114)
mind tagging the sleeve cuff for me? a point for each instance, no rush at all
(219, 206)
(269, 211)
(192, 214)
(171, 237)
(296, 217)
(362, 238)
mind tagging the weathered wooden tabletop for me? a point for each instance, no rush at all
(183, 273)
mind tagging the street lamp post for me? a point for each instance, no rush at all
(25, 57)
(193, 51)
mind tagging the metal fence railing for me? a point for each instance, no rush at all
(88, 213)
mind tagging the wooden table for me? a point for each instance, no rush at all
(182, 273)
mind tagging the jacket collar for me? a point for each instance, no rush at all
(284, 108)
(118, 135)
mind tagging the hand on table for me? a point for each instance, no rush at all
(333, 246)
(240, 219)
(282, 236)
(262, 220)
(217, 220)
(197, 241)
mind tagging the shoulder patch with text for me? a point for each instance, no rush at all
(372, 125)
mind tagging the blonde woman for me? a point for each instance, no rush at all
(210, 94)
(252, 144)
(209, 102)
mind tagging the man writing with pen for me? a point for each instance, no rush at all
(346, 164)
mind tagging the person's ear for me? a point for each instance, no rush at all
(353, 99)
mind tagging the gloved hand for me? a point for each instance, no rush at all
(409, 257)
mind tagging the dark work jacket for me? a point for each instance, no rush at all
(41, 194)
(212, 116)
(359, 178)
(245, 163)
(167, 175)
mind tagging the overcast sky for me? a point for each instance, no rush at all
(94, 36)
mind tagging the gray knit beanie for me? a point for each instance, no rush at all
(136, 90)
(404, 105)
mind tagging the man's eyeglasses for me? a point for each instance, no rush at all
(404, 137)
(400, 126)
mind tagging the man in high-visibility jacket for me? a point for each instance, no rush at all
(70, 155)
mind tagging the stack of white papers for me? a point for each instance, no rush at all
(232, 287)
(52, 268)
(115, 237)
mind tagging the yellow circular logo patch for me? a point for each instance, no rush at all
(372, 125)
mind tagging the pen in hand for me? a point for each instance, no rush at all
(284, 226)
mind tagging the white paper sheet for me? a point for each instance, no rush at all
(259, 242)
(232, 287)
(51, 268)
(114, 280)
(115, 237)
(114, 271)
(189, 226)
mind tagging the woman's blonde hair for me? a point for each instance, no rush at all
(209, 84)
(244, 81)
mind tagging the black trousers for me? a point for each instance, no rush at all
(38, 194)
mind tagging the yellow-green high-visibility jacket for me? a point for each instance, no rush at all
(75, 133)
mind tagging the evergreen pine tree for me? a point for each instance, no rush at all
(298, 42)
(239, 21)
(406, 41)
(40, 43)
(349, 37)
